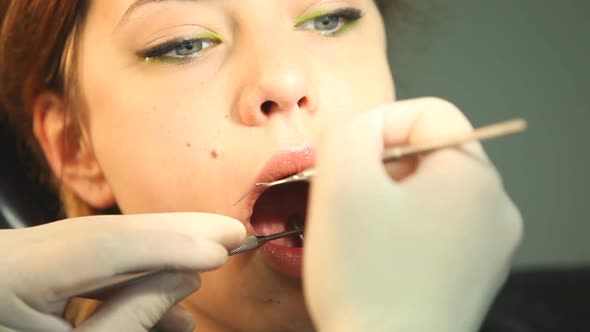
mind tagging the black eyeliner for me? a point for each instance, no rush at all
(164, 48)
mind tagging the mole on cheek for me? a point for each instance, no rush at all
(215, 153)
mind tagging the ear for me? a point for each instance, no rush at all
(68, 152)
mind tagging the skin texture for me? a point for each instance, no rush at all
(163, 135)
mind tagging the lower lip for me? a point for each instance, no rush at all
(284, 260)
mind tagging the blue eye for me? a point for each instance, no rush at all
(179, 50)
(327, 23)
(188, 47)
(333, 23)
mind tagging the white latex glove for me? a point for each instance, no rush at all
(42, 267)
(427, 253)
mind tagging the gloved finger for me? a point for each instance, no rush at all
(176, 320)
(224, 230)
(107, 246)
(349, 153)
(139, 307)
(349, 161)
(421, 120)
(29, 319)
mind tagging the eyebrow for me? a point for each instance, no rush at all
(139, 3)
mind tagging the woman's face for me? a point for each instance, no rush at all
(189, 103)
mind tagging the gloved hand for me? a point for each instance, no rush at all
(420, 246)
(42, 267)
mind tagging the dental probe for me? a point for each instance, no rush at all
(395, 154)
(253, 242)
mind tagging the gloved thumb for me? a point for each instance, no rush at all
(352, 150)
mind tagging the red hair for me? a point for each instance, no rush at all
(33, 37)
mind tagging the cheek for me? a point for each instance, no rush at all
(155, 151)
(355, 79)
(352, 87)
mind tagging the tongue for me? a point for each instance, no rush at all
(277, 225)
(276, 208)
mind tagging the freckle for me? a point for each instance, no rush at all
(215, 153)
(227, 116)
(188, 145)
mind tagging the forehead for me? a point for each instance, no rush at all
(117, 10)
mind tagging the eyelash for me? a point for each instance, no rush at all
(158, 53)
(346, 16)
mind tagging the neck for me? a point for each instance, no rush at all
(205, 323)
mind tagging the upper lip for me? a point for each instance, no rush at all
(281, 164)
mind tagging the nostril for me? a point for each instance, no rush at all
(267, 107)
(302, 102)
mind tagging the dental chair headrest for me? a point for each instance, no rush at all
(22, 202)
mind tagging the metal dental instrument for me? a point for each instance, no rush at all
(305, 175)
(111, 285)
(254, 242)
(296, 224)
(395, 154)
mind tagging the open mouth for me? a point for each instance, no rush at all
(280, 209)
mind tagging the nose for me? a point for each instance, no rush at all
(278, 83)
